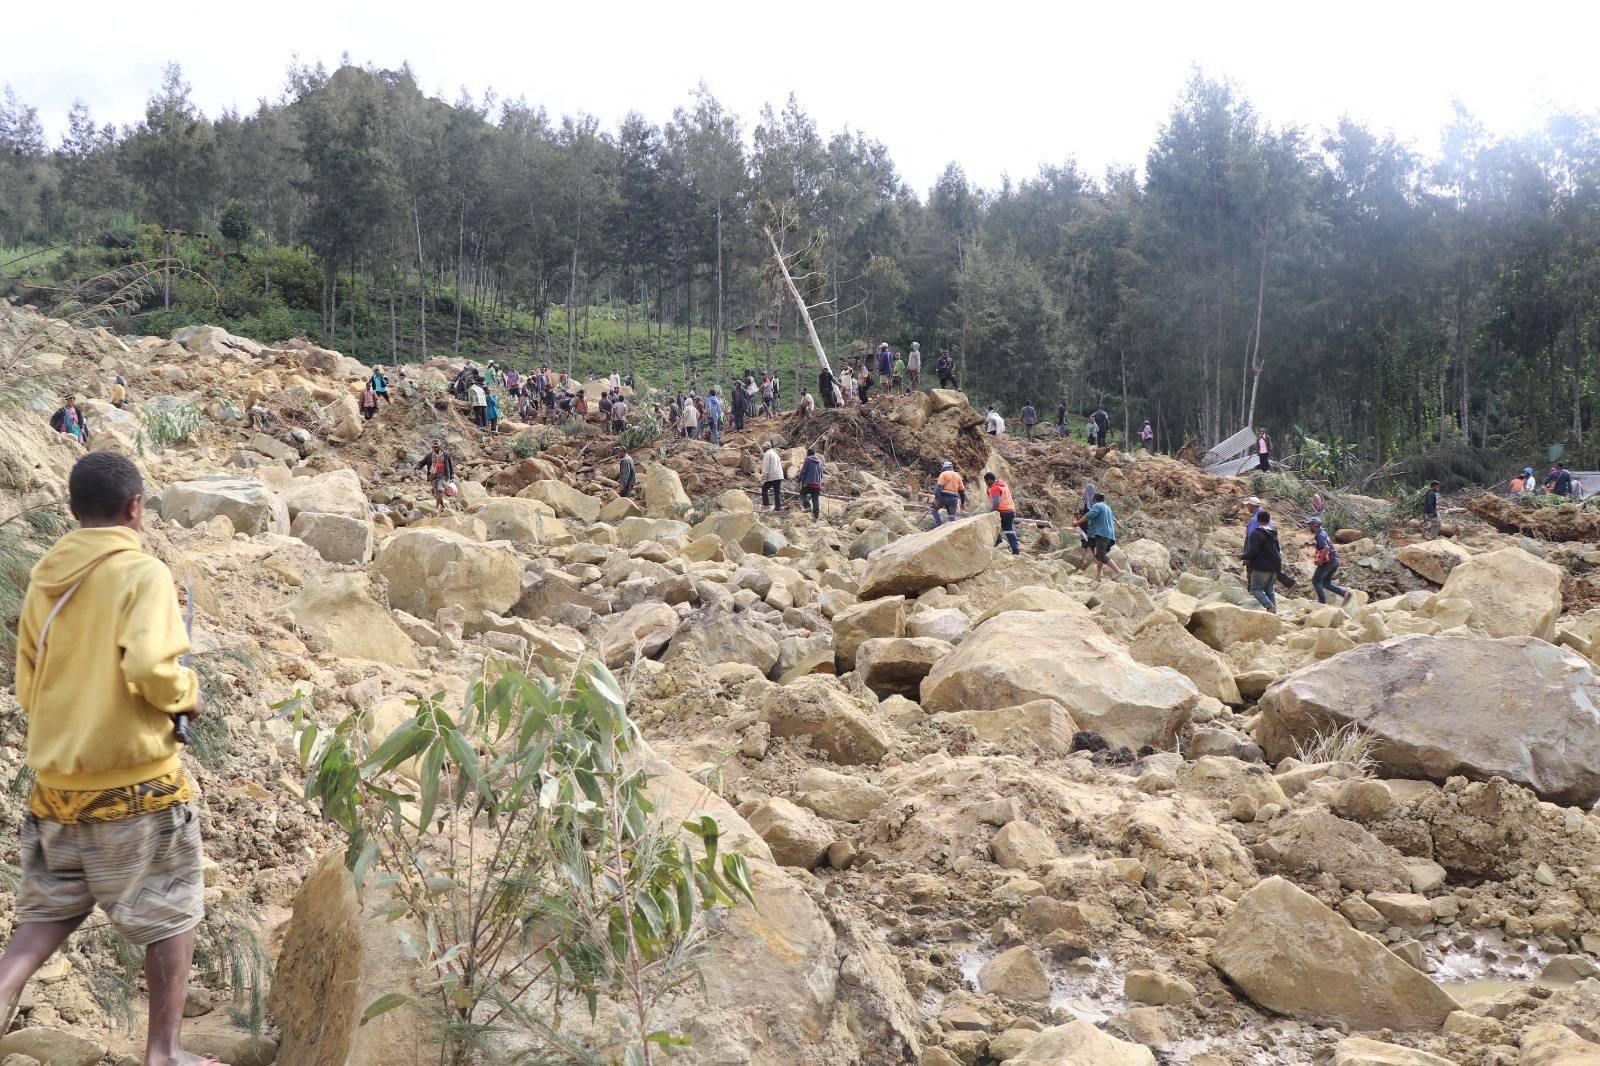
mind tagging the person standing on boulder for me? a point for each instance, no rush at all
(949, 494)
(1327, 564)
(771, 476)
(811, 484)
(1430, 512)
(111, 822)
(625, 475)
(1001, 503)
(1263, 560)
(479, 400)
(441, 471)
(1101, 526)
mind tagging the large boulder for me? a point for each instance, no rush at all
(1511, 592)
(524, 522)
(1164, 642)
(796, 836)
(861, 622)
(895, 666)
(337, 538)
(247, 503)
(1021, 656)
(1360, 1051)
(1151, 560)
(663, 492)
(1039, 726)
(564, 500)
(1081, 1044)
(336, 492)
(1293, 955)
(1448, 705)
(338, 608)
(948, 553)
(1432, 559)
(719, 637)
(432, 568)
(1223, 624)
(643, 629)
(817, 706)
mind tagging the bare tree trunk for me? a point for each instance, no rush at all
(461, 246)
(394, 357)
(1463, 363)
(799, 302)
(717, 338)
(422, 290)
(1256, 362)
(166, 269)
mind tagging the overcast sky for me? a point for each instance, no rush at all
(999, 87)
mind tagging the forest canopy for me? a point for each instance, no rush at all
(1336, 282)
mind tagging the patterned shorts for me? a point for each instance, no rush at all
(143, 871)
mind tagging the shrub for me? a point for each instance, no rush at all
(172, 425)
(641, 434)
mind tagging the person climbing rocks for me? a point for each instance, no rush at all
(626, 477)
(1326, 559)
(1559, 482)
(1147, 437)
(491, 412)
(1263, 451)
(69, 421)
(811, 484)
(119, 392)
(864, 383)
(806, 406)
(949, 494)
(771, 476)
(619, 413)
(379, 384)
(1001, 503)
(825, 387)
(441, 471)
(1263, 560)
(914, 367)
(714, 416)
(1252, 507)
(1029, 416)
(111, 820)
(478, 398)
(369, 402)
(1101, 526)
(1430, 511)
(993, 424)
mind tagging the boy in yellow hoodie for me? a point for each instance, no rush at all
(99, 673)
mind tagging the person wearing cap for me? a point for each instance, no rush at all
(914, 367)
(885, 360)
(949, 493)
(1523, 482)
(1560, 480)
(1326, 560)
(1001, 503)
(1253, 507)
(1430, 512)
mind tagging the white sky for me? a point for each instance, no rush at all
(997, 86)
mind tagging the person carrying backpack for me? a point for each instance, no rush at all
(1326, 559)
(111, 821)
(1147, 437)
(811, 484)
(1001, 503)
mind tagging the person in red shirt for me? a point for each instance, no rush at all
(1000, 500)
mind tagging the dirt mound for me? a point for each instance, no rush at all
(1558, 522)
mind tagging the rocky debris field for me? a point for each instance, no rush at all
(996, 812)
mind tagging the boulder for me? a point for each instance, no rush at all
(860, 622)
(339, 610)
(247, 503)
(1081, 1044)
(337, 538)
(1359, 1051)
(1222, 624)
(719, 637)
(336, 492)
(1432, 559)
(945, 399)
(1015, 974)
(1295, 956)
(1021, 656)
(1151, 560)
(796, 836)
(1511, 592)
(896, 665)
(1032, 598)
(841, 797)
(817, 706)
(1515, 707)
(1551, 1044)
(525, 523)
(942, 623)
(668, 531)
(564, 501)
(948, 553)
(1156, 988)
(1166, 643)
(663, 492)
(52, 1047)
(1311, 841)
(1021, 845)
(1038, 726)
(432, 568)
(641, 630)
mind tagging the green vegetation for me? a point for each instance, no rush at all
(572, 885)
(172, 424)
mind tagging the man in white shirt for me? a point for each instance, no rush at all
(771, 476)
(995, 425)
(480, 404)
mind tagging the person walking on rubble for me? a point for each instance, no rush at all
(1326, 560)
(771, 476)
(1264, 560)
(441, 472)
(949, 494)
(1101, 526)
(1001, 503)
(811, 484)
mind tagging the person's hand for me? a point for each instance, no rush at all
(199, 699)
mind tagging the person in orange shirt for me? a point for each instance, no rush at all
(949, 494)
(1000, 501)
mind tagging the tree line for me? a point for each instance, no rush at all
(1338, 284)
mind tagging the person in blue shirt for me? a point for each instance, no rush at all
(714, 415)
(492, 412)
(1327, 563)
(1560, 480)
(1101, 526)
(380, 384)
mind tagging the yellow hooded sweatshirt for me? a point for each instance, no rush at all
(100, 697)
